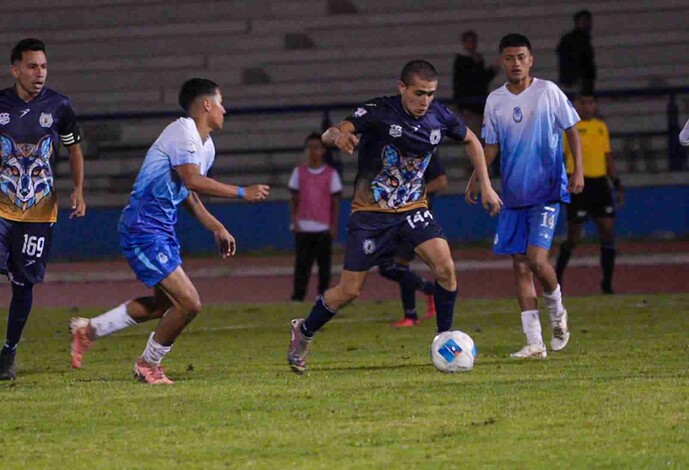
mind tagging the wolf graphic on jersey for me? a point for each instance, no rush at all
(401, 180)
(25, 174)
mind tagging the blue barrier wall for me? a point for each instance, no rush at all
(648, 212)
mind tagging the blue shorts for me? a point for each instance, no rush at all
(375, 236)
(24, 249)
(152, 257)
(519, 228)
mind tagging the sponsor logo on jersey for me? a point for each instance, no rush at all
(4, 119)
(395, 130)
(46, 120)
(435, 136)
(359, 112)
(23, 112)
(162, 257)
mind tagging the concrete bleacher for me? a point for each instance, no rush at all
(119, 55)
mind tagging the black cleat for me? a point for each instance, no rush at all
(7, 371)
(606, 288)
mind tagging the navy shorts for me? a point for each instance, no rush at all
(24, 249)
(375, 236)
(152, 257)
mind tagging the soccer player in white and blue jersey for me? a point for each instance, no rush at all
(524, 121)
(173, 173)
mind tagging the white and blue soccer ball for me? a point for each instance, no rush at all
(453, 351)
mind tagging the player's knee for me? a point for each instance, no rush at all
(444, 271)
(536, 264)
(192, 306)
(521, 267)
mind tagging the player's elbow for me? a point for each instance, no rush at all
(192, 182)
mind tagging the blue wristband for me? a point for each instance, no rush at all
(240, 192)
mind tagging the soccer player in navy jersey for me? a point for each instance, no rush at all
(524, 121)
(398, 137)
(33, 121)
(397, 266)
(172, 174)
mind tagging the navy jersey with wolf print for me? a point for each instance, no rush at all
(394, 151)
(30, 134)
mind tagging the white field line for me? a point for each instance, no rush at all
(503, 263)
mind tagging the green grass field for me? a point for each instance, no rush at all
(618, 397)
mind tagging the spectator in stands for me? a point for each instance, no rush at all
(575, 53)
(470, 82)
(315, 189)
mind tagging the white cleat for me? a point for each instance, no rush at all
(560, 333)
(531, 351)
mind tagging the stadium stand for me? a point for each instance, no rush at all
(116, 56)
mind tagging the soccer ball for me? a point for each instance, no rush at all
(453, 351)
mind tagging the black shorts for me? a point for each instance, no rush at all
(375, 236)
(594, 201)
(24, 249)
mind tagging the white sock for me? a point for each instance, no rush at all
(531, 324)
(553, 302)
(112, 321)
(154, 352)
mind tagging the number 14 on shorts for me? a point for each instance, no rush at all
(548, 218)
(419, 217)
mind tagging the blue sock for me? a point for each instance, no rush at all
(319, 316)
(20, 307)
(444, 307)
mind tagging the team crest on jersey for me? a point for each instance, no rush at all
(435, 136)
(46, 120)
(395, 130)
(517, 114)
(359, 112)
(25, 174)
(4, 119)
(369, 246)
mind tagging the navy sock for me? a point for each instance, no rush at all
(444, 307)
(20, 307)
(319, 316)
(427, 287)
(408, 295)
(607, 263)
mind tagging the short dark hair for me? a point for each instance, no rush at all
(313, 136)
(28, 44)
(419, 68)
(514, 40)
(193, 88)
(582, 14)
(469, 34)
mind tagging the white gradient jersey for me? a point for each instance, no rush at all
(158, 189)
(528, 127)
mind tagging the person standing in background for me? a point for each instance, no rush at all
(470, 82)
(314, 205)
(575, 54)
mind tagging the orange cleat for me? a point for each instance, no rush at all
(406, 322)
(83, 339)
(430, 307)
(150, 373)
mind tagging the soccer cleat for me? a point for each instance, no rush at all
(430, 307)
(298, 347)
(7, 371)
(560, 333)
(606, 288)
(406, 322)
(531, 351)
(83, 339)
(150, 373)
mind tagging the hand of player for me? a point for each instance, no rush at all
(491, 201)
(576, 182)
(78, 203)
(225, 242)
(471, 193)
(346, 142)
(257, 192)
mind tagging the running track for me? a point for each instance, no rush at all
(651, 267)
